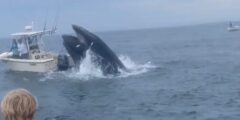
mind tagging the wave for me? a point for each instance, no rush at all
(134, 68)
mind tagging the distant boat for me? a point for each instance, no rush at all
(232, 28)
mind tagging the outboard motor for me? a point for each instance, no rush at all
(63, 62)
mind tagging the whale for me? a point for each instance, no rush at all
(78, 45)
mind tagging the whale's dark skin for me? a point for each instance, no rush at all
(104, 56)
(75, 48)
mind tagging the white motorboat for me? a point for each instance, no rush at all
(37, 60)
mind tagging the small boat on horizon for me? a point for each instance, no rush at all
(232, 28)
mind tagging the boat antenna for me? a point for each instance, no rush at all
(45, 26)
(45, 22)
(32, 25)
(54, 28)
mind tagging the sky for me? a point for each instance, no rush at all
(108, 15)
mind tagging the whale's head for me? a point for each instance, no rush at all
(75, 47)
(84, 35)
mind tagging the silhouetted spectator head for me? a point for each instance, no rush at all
(19, 104)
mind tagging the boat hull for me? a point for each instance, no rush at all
(41, 66)
(232, 29)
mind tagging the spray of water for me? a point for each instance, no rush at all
(133, 67)
(89, 70)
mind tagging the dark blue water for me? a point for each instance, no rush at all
(182, 73)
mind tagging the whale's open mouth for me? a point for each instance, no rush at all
(85, 40)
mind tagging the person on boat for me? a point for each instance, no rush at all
(19, 104)
(14, 48)
(22, 48)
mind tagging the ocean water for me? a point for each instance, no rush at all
(186, 73)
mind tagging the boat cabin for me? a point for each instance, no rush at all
(28, 43)
(27, 54)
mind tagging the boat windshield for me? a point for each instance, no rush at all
(33, 42)
(20, 47)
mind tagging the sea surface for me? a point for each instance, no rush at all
(178, 73)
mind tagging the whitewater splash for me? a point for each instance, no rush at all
(88, 69)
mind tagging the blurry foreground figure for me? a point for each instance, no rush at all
(18, 104)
